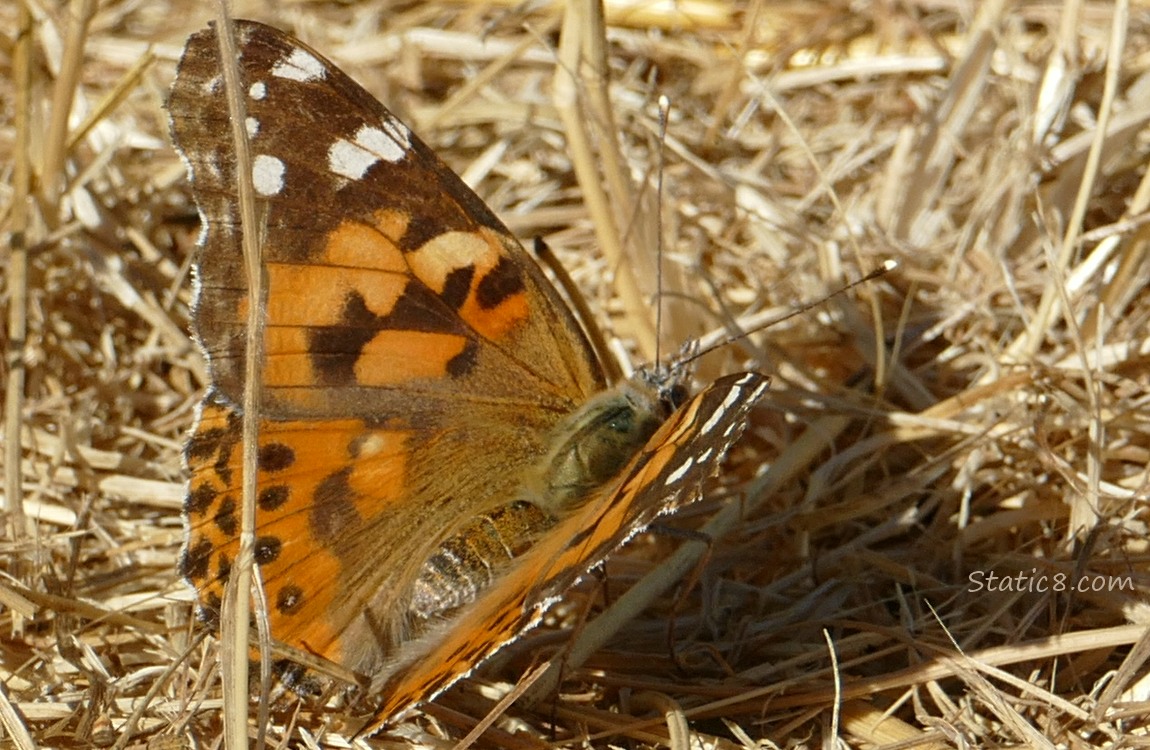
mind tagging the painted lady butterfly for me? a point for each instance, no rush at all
(440, 455)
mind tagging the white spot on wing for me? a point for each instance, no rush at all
(347, 159)
(398, 132)
(267, 175)
(258, 90)
(352, 159)
(299, 66)
(253, 126)
(370, 446)
(680, 472)
(731, 399)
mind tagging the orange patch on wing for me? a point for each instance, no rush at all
(392, 224)
(306, 573)
(379, 473)
(394, 357)
(311, 400)
(646, 476)
(288, 375)
(314, 296)
(496, 322)
(356, 245)
(309, 572)
(483, 250)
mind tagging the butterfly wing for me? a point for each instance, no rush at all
(415, 356)
(667, 473)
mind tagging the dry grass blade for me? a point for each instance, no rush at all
(955, 556)
(235, 620)
(16, 284)
(579, 93)
(14, 727)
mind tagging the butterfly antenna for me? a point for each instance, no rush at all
(664, 109)
(886, 267)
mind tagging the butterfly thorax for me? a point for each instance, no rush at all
(588, 450)
(598, 440)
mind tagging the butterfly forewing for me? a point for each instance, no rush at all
(374, 248)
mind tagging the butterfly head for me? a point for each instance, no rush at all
(666, 384)
(598, 439)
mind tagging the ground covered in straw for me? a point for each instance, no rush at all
(934, 531)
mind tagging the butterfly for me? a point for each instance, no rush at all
(441, 455)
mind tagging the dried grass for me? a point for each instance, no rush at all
(980, 410)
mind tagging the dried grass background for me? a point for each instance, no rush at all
(981, 410)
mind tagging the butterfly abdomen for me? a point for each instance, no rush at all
(468, 562)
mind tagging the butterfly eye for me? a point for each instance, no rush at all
(674, 397)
